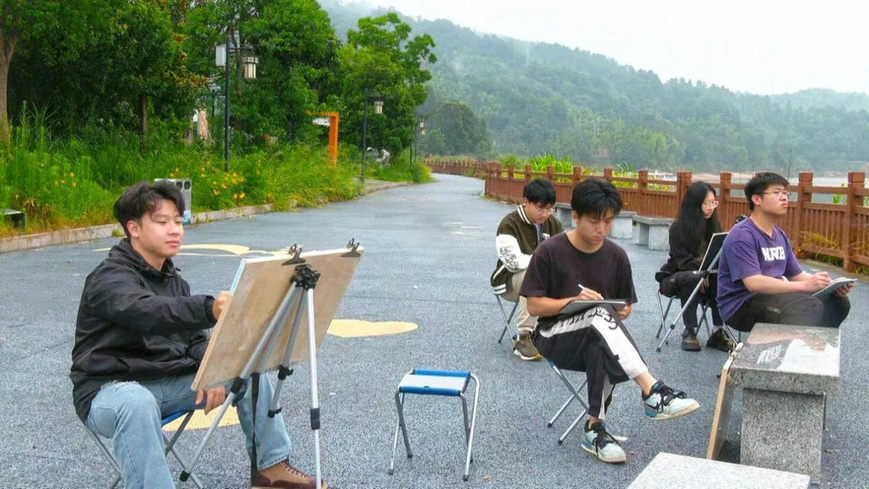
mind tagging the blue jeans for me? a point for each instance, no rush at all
(130, 412)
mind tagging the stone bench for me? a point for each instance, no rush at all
(786, 372)
(668, 471)
(623, 225)
(653, 232)
(563, 213)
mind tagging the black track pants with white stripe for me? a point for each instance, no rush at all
(596, 342)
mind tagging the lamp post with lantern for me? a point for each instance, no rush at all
(221, 58)
(377, 100)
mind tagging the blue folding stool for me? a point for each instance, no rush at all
(170, 446)
(574, 396)
(436, 383)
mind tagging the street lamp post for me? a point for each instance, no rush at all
(378, 109)
(222, 59)
(419, 130)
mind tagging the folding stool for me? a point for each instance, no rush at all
(665, 312)
(508, 319)
(170, 446)
(436, 383)
(574, 396)
(703, 321)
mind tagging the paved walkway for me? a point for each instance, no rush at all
(429, 252)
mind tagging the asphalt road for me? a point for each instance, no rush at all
(428, 255)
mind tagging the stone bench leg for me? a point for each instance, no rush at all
(622, 228)
(659, 238)
(565, 217)
(642, 234)
(783, 431)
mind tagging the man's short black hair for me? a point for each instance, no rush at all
(594, 197)
(144, 198)
(760, 182)
(539, 191)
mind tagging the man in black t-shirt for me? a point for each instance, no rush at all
(583, 264)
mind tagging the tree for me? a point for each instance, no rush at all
(23, 19)
(457, 131)
(130, 63)
(381, 57)
(296, 49)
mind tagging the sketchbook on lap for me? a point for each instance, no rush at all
(834, 286)
(576, 306)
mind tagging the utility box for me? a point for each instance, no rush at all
(15, 217)
(185, 186)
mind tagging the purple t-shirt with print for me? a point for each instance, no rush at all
(748, 251)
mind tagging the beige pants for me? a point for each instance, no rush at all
(525, 322)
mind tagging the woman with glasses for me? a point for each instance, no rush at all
(689, 236)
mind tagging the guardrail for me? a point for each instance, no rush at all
(838, 230)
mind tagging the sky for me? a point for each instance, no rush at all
(762, 46)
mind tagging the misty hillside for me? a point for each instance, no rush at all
(545, 98)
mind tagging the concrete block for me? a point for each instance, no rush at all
(563, 213)
(623, 225)
(783, 431)
(669, 471)
(786, 372)
(779, 357)
(653, 232)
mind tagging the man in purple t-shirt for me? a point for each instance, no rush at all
(759, 279)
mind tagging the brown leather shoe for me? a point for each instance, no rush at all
(690, 343)
(284, 475)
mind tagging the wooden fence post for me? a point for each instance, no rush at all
(804, 195)
(608, 174)
(550, 173)
(683, 181)
(527, 173)
(577, 176)
(724, 214)
(642, 197)
(855, 180)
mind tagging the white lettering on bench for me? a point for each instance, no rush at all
(770, 354)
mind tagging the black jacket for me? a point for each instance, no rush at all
(135, 323)
(685, 253)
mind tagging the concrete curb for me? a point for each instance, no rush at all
(77, 235)
(67, 236)
(378, 185)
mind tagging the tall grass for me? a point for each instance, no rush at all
(74, 182)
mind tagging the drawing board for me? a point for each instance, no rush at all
(259, 287)
(721, 418)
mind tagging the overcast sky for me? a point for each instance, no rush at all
(758, 46)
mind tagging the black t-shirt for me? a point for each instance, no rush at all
(557, 268)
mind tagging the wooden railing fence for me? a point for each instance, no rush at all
(836, 228)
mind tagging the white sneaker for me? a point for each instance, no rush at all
(598, 442)
(666, 403)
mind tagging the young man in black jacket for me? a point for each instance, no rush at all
(140, 337)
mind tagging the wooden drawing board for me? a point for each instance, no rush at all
(721, 418)
(260, 286)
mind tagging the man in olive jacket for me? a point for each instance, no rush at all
(140, 337)
(518, 235)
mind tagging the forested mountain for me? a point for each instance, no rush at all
(544, 98)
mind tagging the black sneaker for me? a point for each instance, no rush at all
(720, 341)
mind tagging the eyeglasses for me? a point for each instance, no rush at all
(711, 205)
(544, 210)
(779, 193)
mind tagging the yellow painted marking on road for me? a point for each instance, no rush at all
(354, 328)
(202, 421)
(234, 249)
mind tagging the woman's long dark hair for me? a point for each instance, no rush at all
(690, 222)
